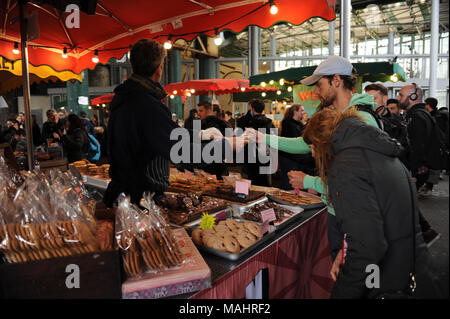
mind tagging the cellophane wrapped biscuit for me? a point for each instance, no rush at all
(43, 217)
(146, 240)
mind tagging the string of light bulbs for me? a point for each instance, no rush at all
(218, 40)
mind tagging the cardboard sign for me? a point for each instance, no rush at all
(241, 188)
(268, 215)
(249, 182)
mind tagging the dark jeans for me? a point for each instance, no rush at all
(422, 179)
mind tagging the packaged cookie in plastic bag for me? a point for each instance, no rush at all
(149, 236)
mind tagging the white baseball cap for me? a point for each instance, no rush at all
(332, 65)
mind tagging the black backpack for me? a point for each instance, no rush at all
(392, 124)
(438, 153)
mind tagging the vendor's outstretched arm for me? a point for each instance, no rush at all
(293, 145)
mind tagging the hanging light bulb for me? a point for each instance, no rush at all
(394, 77)
(273, 7)
(263, 84)
(192, 91)
(263, 94)
(172, 96)
(243, 89)
(175, 92)
(95, 58)
(188, 94)
(16, 48)
(218, 39)
(278, 92)
(90, 107)
(168, 43)
(281, 81)
(289, 89)
(271, 82)
(64, 54)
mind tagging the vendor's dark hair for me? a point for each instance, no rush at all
(349, 81)
(432, 102)
(257, 105)
(75, 122)
(146, 56)
(392, 101)
(207, 105)
(377, 87)
(192, 112)
(216, 108)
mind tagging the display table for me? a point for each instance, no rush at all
(96, 182)
(297, 258)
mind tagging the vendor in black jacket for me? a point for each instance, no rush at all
(139, 129)
(374, 200)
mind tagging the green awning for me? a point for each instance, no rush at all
(371, 72)
(60, 104)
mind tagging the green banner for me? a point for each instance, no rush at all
(305, 96)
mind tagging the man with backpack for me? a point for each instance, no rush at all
(423, 142)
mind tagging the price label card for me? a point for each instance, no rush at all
(249, 182)
(264, 227)
(241, 187)
(268, 215)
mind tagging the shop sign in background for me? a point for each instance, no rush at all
(305, 96)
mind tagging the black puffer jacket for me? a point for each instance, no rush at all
(373, 194)
(214, 121)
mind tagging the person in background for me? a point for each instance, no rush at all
(36, 130)
(189, 123)
(229, 118)
(94, 120)
(292, 126)
(380, 97)
(8, 133)
(51, 128)
(376, 207)
(258, 121)
(208, 119)
(216, 110)
(75, 140)
(21, 120)
(87, 124)
(392, 105)
(419, 128)
(20, 142)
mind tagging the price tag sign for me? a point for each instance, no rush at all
(264, 227)
(249, 182)
(268, 215)
(241, 188)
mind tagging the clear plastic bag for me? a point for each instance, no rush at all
(145, 238)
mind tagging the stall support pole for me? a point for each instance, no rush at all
(331, 38)
(253, 50)
(345, 27)
(273, 51)
(434, 47)
(26, 84)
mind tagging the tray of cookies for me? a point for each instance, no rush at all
(304, 200)
(231, 238)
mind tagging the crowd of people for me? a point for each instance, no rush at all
(75, 134)
(369, 158)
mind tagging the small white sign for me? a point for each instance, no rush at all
(156, 28)
(177, 24)
(83, 100)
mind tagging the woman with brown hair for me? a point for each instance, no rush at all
(376, 208)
